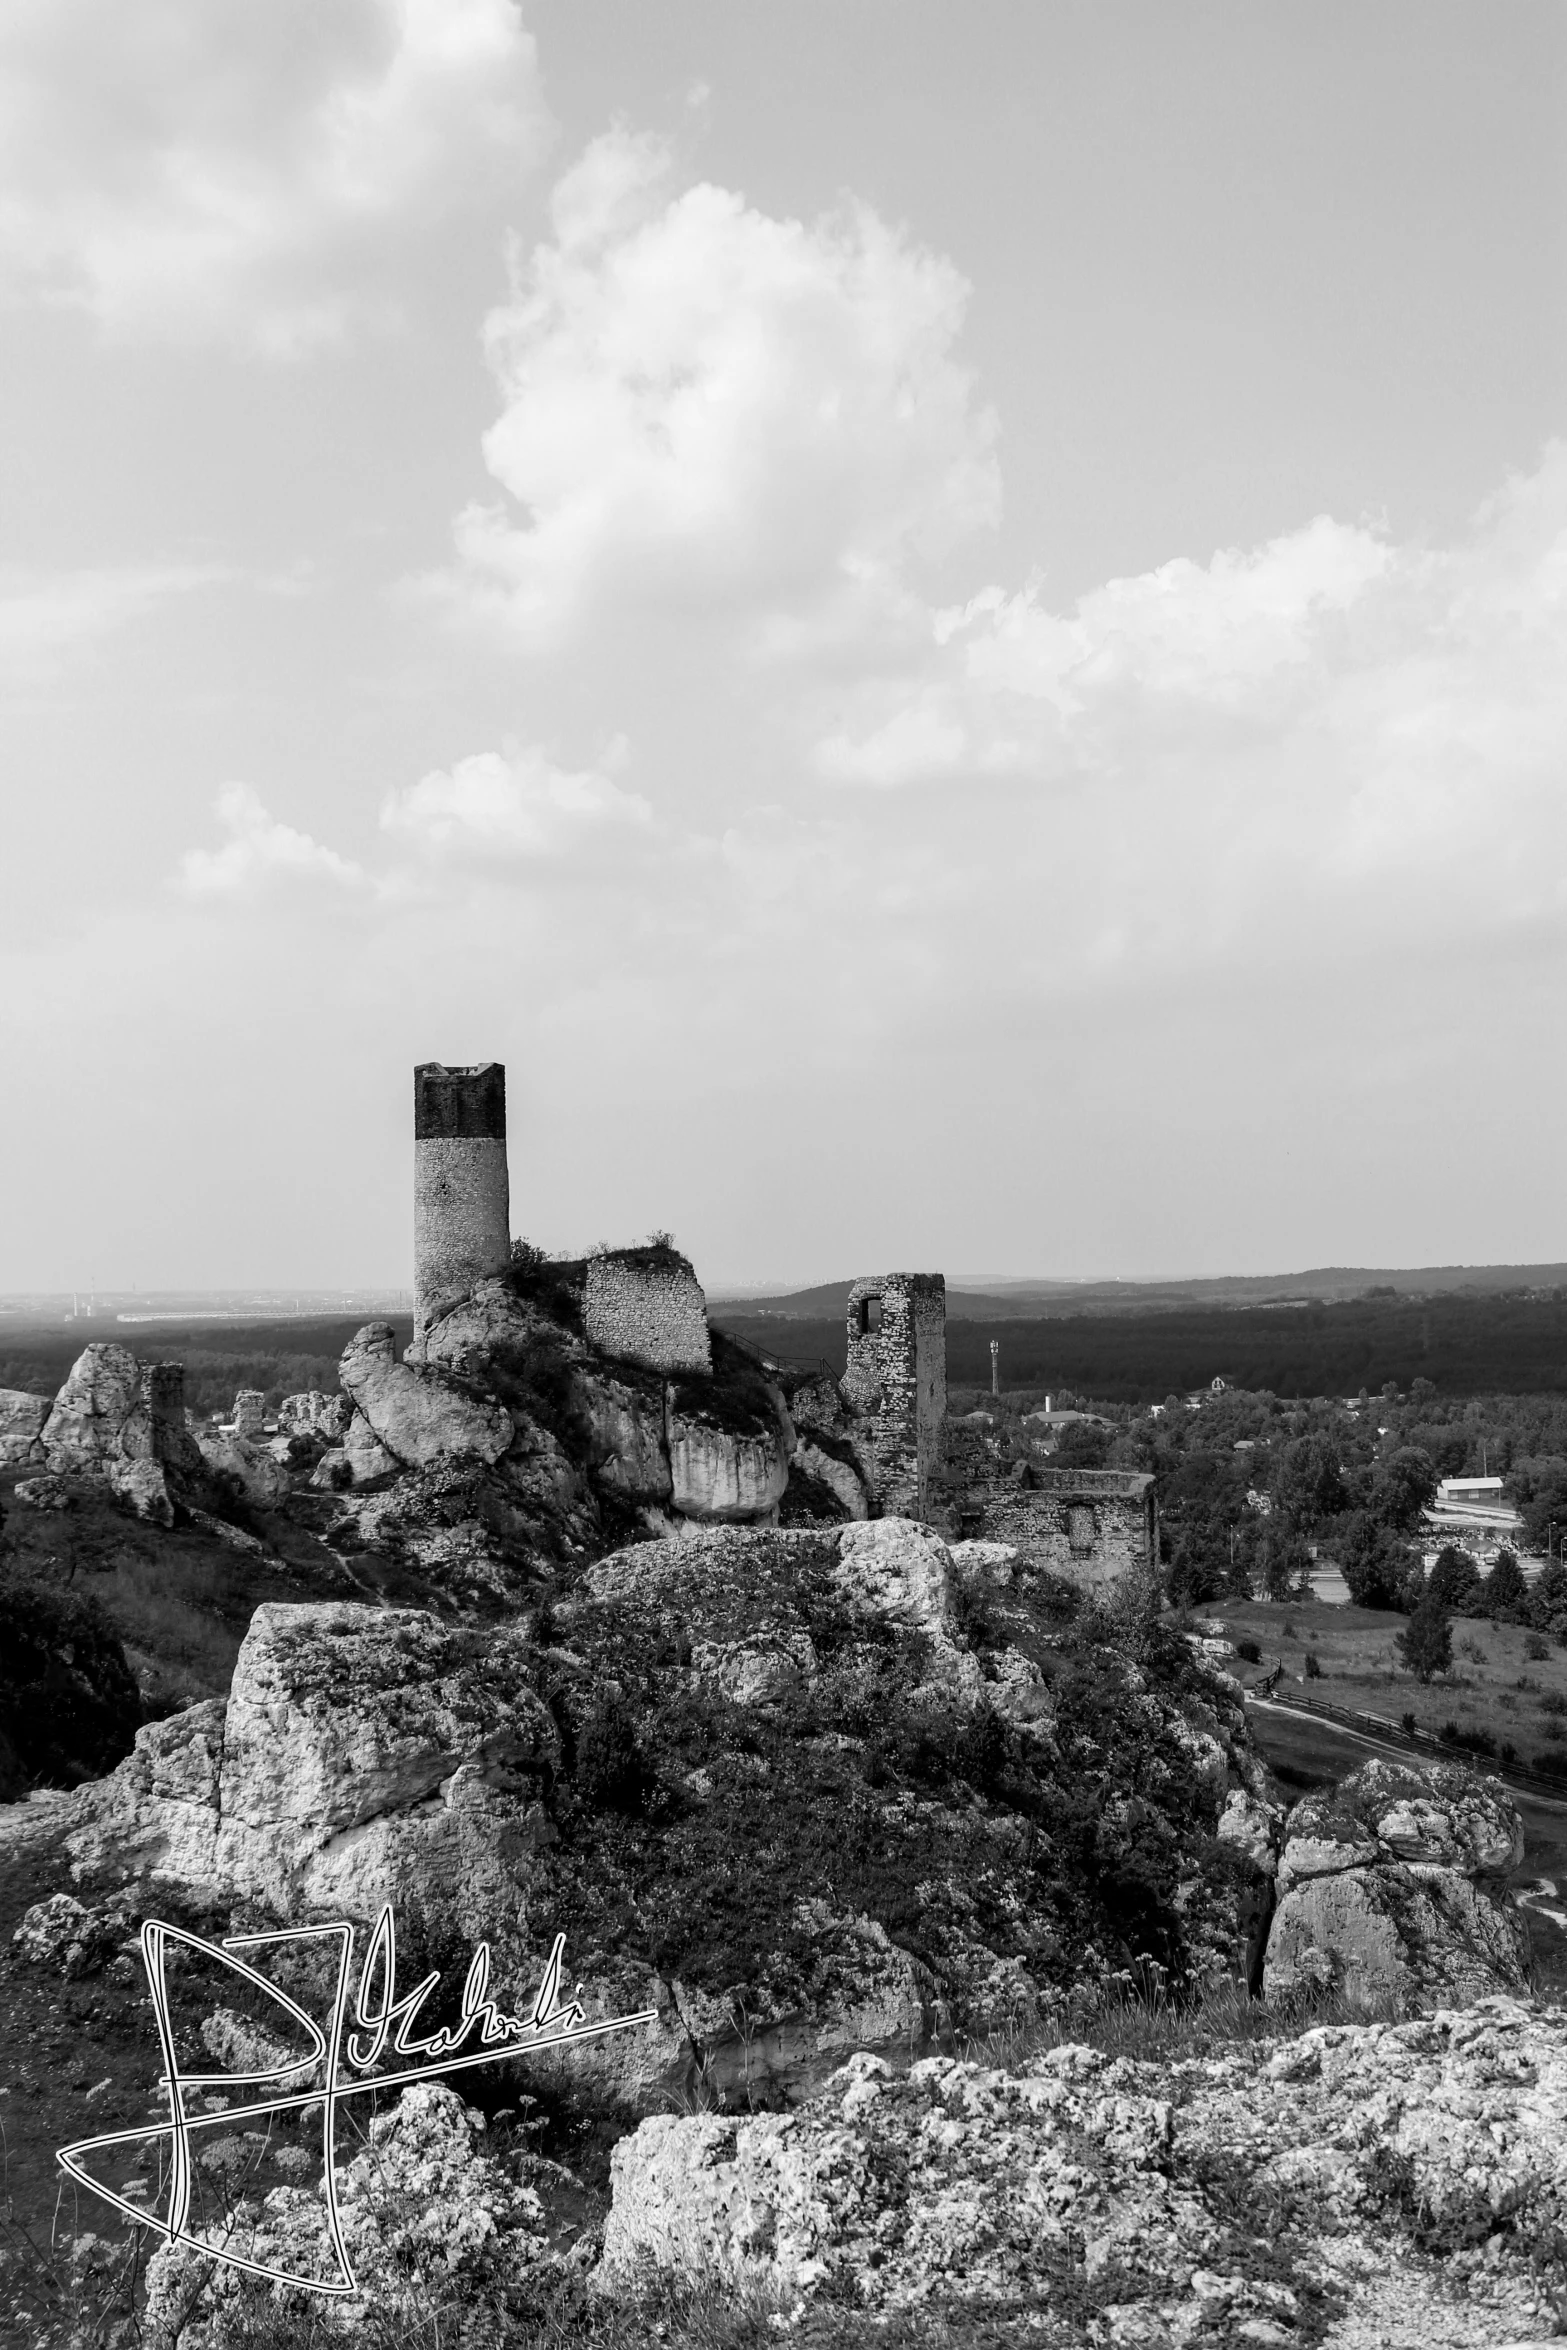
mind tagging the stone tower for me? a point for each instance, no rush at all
(896, 1379)
(462, 1205)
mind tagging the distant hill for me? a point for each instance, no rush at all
(1011, 1300)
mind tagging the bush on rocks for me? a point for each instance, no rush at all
(69, 1705)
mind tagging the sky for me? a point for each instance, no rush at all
(944, 626)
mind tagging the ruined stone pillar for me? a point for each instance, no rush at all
(462, 1203)
(895, 1380)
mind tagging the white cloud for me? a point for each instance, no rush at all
(46, 617)
(713, 411)
(217, 167)
(498, 807)
(258, 850)
(1330, 737)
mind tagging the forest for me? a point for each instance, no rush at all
(1472, 1344)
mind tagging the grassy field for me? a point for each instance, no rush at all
(1495, 1685)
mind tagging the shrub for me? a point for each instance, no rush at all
(1287, 1630)
(1553, 1702)
(1536, 1650)
(1509, 1752)
(1551, 1766)
(1313, 1669)
(611, 1773)
(1248, 1651)
(1408, 1724)
(1468, 1741)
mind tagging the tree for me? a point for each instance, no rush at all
(1426, 1644)
(1197, 1571)
(1548, 1599)
(1505, 1592)
(1286, 1564)
(1455, 1581)
(1374, 1563)
(1402, 1486)
(1306, 1482)
(1543, 1505)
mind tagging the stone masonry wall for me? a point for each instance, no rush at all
(1090, 1526)
(895, 1382)
(648, 1310)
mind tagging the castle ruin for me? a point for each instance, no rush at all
(895, 1382)
(462, 1204)
(646, 1306)
(1089, 1526)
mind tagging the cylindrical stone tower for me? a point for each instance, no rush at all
(462, 1205)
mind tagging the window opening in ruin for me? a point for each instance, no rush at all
(1080, 1530)
(870, 1315)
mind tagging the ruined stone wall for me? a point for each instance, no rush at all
(462, 1205)
(647, 1308)
(1090, 1526)
(895, 1383)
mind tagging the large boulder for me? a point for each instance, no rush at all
(364, 1755)
(898, 1569)
(22, 1418)
(1389, 1886)
(417, 1414)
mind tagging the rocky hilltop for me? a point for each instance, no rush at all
(881, 1827)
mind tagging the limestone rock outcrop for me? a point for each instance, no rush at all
(22, 1418)
(250, 1412)
(363, 1755)
(1389, 1886)
(101, 1395)
(252, 1466)
(430, 2220)
(419, 1416)
(314, 1414)
(842, 1480)
(718, 1474)
(900, 1570)
(123, 1422)
(959, 2183)
(625, 1419)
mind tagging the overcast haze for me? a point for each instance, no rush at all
(943, 625)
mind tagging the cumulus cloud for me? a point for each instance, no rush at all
(1330, 730)
(516, 805)
(712, 410)
(214, 167)
(259, 850)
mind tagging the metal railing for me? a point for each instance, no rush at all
(1412, 1741)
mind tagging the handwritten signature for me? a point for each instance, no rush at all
(358, 2038)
